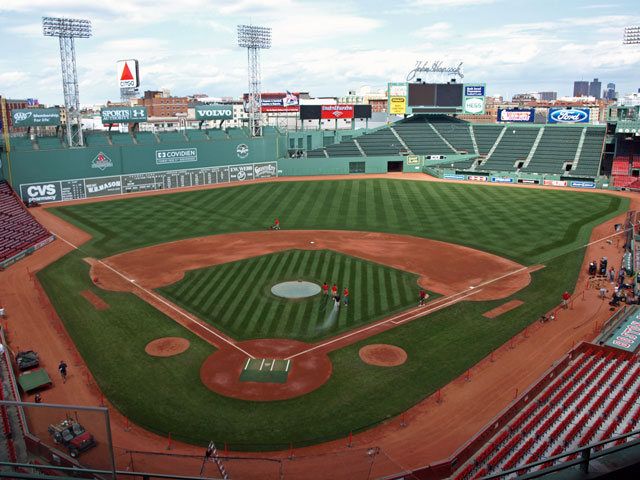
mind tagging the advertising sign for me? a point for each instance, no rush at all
(41, 192)
(337, 111)
(397, 95)
(123, 115)
(528, 181)
(265, 170)
(565, 115)
(97, 187)
(474, 101)
(176, 155)
(526, 115)
(240, 173)
(214, 112)
(502, 179)
(453, 177)
(555, 183)
(128, 76)
(35, 117)
(277, 102)
(627, 335)
(397, 105)
(477, 178)
(583, 184)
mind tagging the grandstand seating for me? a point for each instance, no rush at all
(624, 181)
(172, 137)
(145, 137)
(620, 166)
(346, 148)
(20, 144)
(217, 134)
(514, 146)
(195, 135)
(557, 146)
(591, 153)
(18, 229)
(121, 138)
(49, 143)
(236, 132)
(98, 139)
(320, 153)
(593, 399)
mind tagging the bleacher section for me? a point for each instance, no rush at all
(171, 137)
(486, 136)
(236, 132)
(457, 134)
(49, 143)
(557, 146)
(589, 160)
(594, 398)
(21, 144)
(121, 138)
(217, 134)
(620, 166)
(196, 135)
(346, 148)
(381, 142)
(421, 139)
(96, 139)
(514, 146)
(18, 229)
(145, 137)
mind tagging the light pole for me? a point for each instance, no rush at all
(631, 35)
(66, 29)
(254, 38)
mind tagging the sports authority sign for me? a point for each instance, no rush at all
(123, 115)
(214, 112)
(337, 111)
(128, 76)
(176, 155)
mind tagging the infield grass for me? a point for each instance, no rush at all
(236, 297)
(166, 394)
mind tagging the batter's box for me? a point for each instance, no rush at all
(266, 370)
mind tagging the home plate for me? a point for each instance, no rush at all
(312, 241)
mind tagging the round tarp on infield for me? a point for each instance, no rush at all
(167, 346)
(299, 289)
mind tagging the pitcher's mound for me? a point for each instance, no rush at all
(167, 346)
(383, 355)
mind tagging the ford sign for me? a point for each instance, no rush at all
(563, 115)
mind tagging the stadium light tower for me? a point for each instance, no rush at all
(254, 38)
(631, 35)
(66, 29)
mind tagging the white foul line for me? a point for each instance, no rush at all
(163, 301)
(383, 322)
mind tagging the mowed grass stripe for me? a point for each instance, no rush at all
(246, 308)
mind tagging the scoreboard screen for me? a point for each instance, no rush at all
(435, 95)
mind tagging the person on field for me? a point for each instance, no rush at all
(277, 225)
(334, 291)
(336, 301)
(423, 296)
(325, 290)
(2, 311)
(62, 368)
(565, 299)
(345, 294)
(38, 398)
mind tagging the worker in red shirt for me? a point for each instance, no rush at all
(423, 295)
(277, 226)
(345, 294)
(565, 299)
(325, 290)
(334, 290)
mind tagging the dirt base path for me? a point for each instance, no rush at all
(433, 432)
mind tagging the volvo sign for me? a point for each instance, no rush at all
(214, 112)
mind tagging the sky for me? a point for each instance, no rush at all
(326, 47)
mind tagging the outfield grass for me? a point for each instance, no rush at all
(236, 297)
(527, 225)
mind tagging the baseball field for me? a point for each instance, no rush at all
(231, 296)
